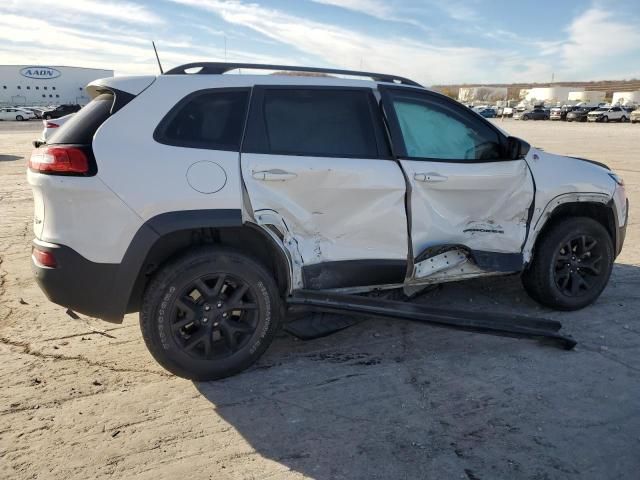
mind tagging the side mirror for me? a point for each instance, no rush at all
(517, 148)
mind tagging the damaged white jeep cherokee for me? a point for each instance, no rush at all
(204, 201)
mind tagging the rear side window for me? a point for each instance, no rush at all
(211, 119)
(80, 128)
(314, 122)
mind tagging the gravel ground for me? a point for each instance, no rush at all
(82, 399)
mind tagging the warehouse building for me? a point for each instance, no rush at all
(37, 85)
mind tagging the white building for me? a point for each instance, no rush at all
(548, 94)
(46, 85)
(625, 98)
(593, 97)
(483, 94)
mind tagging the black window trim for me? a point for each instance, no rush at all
(158, 133)
(255, 118)
(397, 139)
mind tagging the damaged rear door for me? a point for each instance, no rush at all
(464, 191)
(317, 168)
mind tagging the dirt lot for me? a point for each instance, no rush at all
(383, 399)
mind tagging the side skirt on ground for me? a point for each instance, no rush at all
(483, 322)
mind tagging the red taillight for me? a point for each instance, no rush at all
(59, 160)
(46, 259)
(51, 125)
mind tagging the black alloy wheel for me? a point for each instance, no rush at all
(214, 316)
(210, 313)
(571, 264)
(578, 265)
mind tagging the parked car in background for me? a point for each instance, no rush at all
(37, 111)
(507, 112)
(18, 114)
(560, 113)
(635, 116)
(61, 111)
(537, 113)
(51, 127)
(608, 114)
(487, 112)
(579, 114)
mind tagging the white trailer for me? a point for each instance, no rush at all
(548, 95)
(482, 94)
(626, 98)
(587, 98)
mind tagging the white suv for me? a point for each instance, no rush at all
(206, 201)
(608, 114)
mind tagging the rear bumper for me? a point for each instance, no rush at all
(79, 284)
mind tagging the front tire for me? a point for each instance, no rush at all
(605, 119)
(571, 265)
(210, 314)
(19, 118)
(525, 117)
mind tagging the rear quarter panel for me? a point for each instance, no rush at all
(149, 176)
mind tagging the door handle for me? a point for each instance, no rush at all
(273, 175)
(430, 177)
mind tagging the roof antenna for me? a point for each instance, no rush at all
(157, 57)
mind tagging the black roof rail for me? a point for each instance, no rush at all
(218, 68)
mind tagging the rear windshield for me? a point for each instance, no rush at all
(80, 128)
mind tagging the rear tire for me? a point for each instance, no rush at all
(623, 119)
(525, 117)
(210, 313)
(571, 265)
(19, 118)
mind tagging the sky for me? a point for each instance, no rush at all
(430, 41)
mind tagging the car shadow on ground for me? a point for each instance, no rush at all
(394, 399)
(9, 158)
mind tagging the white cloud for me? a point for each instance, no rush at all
(57, 44)
(375, 8)
(595, 37)
(123, 11)
(347, 48)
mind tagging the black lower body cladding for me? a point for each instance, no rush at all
(79, 284)
(103, 290)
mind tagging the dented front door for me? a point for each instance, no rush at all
(463, 192)
(314, 167)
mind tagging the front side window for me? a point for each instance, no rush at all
(319, 122)
(436, 130)
(211, 119)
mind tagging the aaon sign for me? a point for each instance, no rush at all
(40, 73)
